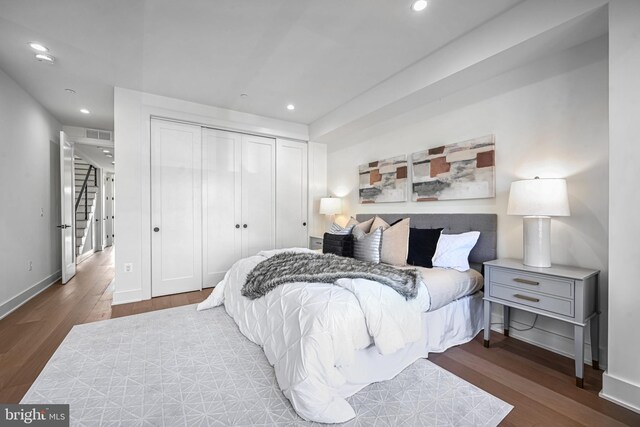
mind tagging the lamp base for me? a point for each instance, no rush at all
(537, 241)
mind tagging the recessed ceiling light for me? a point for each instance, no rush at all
(291, 107)
(85, 111)
(70, 91)
(43, 57)
(419, 5)
(113, 163)
(37, 46)
(106, 151)
(109, 155)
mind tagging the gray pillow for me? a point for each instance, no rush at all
(336, 229)
(366, 247)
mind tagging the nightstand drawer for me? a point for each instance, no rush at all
(315, 242)
(531, 299)
(533, 283)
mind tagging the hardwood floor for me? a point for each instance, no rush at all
(539, 384)
(30, 335)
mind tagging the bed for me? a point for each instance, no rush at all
(328, 341)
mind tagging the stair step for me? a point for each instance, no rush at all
(89, 203)
(90, 190)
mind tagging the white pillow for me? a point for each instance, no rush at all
(453, 250)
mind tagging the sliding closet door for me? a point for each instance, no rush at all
(176, 212)
(291, 194)
(221, 203)
(258, 194)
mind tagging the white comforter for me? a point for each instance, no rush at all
(307, 330)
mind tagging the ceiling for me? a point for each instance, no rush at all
(317, 55)
(96, 156)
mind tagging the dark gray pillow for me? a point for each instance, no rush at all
(422, 246)
(338, 244)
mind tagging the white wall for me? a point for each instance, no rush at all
(133, 111)
(621, 382)
(29, 182)
(317, 186)
(549, 119)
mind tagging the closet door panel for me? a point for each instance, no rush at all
(291, 194)
(221, 203)
(258, 194)
(176, 246)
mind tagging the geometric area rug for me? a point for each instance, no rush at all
(180, 367)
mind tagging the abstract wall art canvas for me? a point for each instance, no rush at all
(465, 170)
(384, 181)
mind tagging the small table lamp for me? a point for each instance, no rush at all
(538, 200)
(330, 206)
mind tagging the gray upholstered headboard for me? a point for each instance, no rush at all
(486, 224)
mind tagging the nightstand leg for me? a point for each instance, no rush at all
(487, 322)
(594, 327)
(578, 338)
(506, 316)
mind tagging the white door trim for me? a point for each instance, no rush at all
(67, 209)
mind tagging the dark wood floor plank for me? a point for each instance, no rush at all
(527, 360)
(526, 412)
(141, 307)
(534, 390)
(160, 303)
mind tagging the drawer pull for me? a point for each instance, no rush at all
(526, 298)
(526, 282)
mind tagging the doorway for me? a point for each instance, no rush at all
(87, 199)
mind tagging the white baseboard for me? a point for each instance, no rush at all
(14, 303)
(548, 340)
(621, 392)
(126, 297)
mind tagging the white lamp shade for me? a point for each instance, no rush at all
(330, 206)
(539, 197)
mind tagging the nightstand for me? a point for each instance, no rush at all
(315, 243)
(561, 292)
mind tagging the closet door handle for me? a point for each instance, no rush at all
(156, 229)
(237, 225)
(244, 225)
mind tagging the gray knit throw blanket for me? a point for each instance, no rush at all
(290, 267)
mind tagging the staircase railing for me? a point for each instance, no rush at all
(84, 189)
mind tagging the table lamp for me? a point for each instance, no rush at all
(538, 200)
(330, 206)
